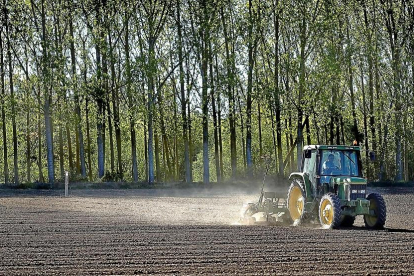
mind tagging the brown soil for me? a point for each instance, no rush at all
(182, 232)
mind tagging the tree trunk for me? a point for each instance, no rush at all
(308, 131)
(287, 143)
(205, 38)
(49, 143)
(242, 134)
(292, 156)
(338, 133)
(28, 155)
(365, 123)
(276, 92)
(398, 116)
(100, 99)
(355, 130)
(250, 54)
(115, 103)
(220, 135)
(187, 166)
(155, 16)
(213, 105)
(259, 118)
(190, 134)
(274, 137)
(302, 72)
(39, 156)
(165, 143)
(380, 110)
(393, 28)
(383, 169)
(331, 126)
(370, 51)
(3, 114)
(230, 92)
(151, 110)
(111, 137)
(130, 104)
(80, 148)
(100, 138)
(146, 151)
(115, 107)
(157, 157)
(315, 123)
(175, 157)
(107, 116)
(70, 151)
(88, 139)
(47, 111)
(61, 158)
(220, 142)
(133, 150)
(118, 134)
(13, 104)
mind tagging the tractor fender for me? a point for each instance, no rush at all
(305, 181)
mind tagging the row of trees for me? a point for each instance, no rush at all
(172, 90)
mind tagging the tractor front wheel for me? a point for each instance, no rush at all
(296, 202)
(378, 212)
(330, 211)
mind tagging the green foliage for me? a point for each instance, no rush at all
(324, 51)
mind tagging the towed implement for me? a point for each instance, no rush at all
(330, 188)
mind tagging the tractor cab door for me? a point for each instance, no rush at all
(310, 166)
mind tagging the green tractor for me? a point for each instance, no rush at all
(331, 187)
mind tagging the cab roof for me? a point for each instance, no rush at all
(332, 147)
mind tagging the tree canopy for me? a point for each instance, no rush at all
(181, 90)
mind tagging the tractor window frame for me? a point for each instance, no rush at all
(347, 163)
(310, 159)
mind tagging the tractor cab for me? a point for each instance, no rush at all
(324, 166)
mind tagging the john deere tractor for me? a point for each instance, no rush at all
(331, 188)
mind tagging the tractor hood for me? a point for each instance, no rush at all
(338, 180)
(349, 188)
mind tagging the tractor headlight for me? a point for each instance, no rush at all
(347, 191)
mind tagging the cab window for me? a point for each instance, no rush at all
(339, 162)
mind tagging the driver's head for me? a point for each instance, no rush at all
(331, 157)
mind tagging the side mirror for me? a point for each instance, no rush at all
(308, 154)
(372, 156)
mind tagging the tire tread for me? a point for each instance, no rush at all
(382, 211)
(336, 204)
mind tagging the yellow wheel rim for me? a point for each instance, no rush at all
(296, 203)
(326, 212)
(372, 220)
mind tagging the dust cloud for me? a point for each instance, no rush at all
(146, 206)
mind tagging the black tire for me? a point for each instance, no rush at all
(347, 221)
(377, 204)
(330, 211)
(296, 201)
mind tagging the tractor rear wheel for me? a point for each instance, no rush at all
(377, 207)
(330, 211)
(296, 201)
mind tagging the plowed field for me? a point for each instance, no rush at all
(182, 232)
